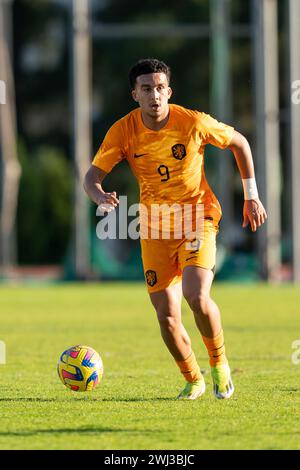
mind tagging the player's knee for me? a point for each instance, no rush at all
(198, 302)
(169, 323)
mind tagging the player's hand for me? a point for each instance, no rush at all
(107, 202)
(254, 213)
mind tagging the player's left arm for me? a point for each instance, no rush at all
(254, 212)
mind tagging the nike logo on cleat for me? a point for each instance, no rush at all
(139, 155)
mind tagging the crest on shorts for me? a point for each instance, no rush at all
(178, 151)
(151, 277)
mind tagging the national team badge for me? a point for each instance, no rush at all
(151, 277)
(179, 151)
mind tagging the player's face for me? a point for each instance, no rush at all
(152, 92)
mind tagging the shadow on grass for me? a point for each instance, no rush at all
(84, 399)
(137, 399)
(30, 399)
(99, 430)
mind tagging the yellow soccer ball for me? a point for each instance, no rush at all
(80, 368)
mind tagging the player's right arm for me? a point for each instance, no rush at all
(110, 153)
(93, 187)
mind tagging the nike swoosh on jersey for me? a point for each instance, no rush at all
(139, 155)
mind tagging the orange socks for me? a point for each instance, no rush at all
(189, 368)
(216, 349)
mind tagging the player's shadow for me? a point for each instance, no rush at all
(98, 430)
(85, 399)
(288, 389)
(136, 399)
(32, 399)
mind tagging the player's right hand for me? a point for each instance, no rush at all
(107, 202)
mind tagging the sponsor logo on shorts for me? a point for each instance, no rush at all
(151, 277)
(179, 151)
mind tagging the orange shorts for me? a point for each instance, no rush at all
(165, 260)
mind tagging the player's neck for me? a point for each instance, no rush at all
(155, 124)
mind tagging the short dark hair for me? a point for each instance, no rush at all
(145, 66)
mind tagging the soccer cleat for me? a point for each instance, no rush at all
(192, 390)
(222, 383)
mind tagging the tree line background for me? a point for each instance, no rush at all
(41, 39)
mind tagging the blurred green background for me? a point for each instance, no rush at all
(42, 64)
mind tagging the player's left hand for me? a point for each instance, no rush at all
(254, 213)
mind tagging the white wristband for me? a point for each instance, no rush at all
(250, 189)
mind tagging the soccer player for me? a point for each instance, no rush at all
(164, 146)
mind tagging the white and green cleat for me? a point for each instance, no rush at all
(222, 383)
(192, 390)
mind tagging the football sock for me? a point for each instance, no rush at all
(189, 368)
(216, 349)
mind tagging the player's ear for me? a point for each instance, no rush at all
(170, 91)
(134, 95)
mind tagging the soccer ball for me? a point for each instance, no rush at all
(80, 368)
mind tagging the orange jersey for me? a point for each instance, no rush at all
(169, 163)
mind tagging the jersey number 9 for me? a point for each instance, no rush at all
(163, 170)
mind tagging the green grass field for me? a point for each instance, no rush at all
(134, 406)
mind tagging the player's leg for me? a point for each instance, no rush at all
(196, 285)
(164, 287)
(197, 261)
(163, 280)
(167, 304)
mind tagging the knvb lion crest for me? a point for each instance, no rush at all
(151, 277)
(179, 151)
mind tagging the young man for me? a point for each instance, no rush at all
(164, 145)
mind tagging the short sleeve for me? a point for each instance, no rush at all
(111, 150)
(214, 132)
